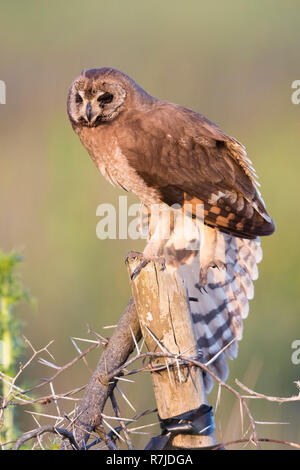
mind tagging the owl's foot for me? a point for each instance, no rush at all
(203, 275)
(133, 255)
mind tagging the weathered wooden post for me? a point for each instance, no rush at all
(165, 322)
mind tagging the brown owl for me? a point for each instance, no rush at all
(172, 156)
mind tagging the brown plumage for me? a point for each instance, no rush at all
(165, 153)
(173, 150)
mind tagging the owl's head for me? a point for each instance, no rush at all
(99, 95)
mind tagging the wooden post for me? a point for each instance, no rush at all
(163, 310)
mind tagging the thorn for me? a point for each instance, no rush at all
(125, 398)
(134, 340)
(113, 430)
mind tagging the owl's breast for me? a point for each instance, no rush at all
(114, 166)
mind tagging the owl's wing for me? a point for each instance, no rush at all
(189, 160)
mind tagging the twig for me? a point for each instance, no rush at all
(41, 430)
(118, 414)
(63, 368)
(116, 352)
(261, 439)
(254, 394)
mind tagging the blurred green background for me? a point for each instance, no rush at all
(234, 62)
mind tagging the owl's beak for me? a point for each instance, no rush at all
(89, 112)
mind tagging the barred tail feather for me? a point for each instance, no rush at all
(218, 312)
(219, 307)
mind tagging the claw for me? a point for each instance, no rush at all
(203, 281)
(163, 263)
(202, 288)
(133, 255)
(218, 264)
(138, 269)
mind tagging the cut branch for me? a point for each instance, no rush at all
(166, 325)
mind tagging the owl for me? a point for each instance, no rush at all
(174, 158)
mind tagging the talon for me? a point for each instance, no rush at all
(138, 269)
(133, 255)
(163, 263)
(219, 265)
(201, 288)
(204, 270)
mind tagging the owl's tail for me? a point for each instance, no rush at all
(218, 310)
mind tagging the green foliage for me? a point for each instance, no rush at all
(11, 293)
(10, 284)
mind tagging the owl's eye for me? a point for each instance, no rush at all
(105, 98)
(78, 98)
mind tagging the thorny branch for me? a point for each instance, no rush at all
(76, 427)
(43, 429)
